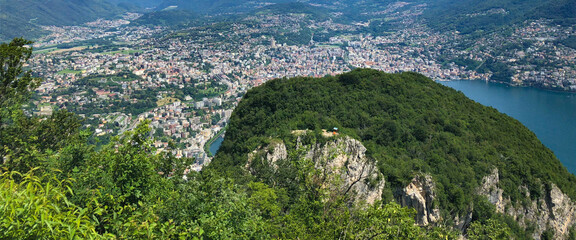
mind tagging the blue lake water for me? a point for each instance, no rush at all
(216, 145)
(550, 115)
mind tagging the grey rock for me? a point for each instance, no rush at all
(554, 210)
(420, 195)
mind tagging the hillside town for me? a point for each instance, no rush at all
(188, 81)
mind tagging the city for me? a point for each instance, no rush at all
(187, 82)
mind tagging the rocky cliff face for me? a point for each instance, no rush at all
(554, 210)
(343, 165)
(344, 161)
(420, 195)
(346, 170)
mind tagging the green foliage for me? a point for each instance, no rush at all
(468, 63)
(216, 207)
(569, 42)
(572, 233)
(25, 141)
(128, 163)
(211, 7)
(317, 13)
(33, 207)
(547, 235)
(15, 83)
(167, 18)
(492, 229)
(124, 184)
(388, 221)
(379, 27)
(263, 198)
(500, 71)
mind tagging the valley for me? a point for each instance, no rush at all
(227, 58)
(335, 121)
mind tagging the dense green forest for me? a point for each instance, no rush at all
(167, 18)
(56, 185)
(409, 124)
(569, 42)
(317, 13)
(469, 16)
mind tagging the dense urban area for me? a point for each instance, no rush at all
(188, 81)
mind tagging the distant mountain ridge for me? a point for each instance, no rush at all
(292, 7)
(217, 6)
(166, 18)
(465, 16)
(470, 15)
(180, 15)
(139, 3)
(22, 18)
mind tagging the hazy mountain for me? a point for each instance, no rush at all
(139, 3)
(167, 18)
(22, 17)
(217, 6)
(471, 15)
(186, 12)
(466, 15)
(293, 7)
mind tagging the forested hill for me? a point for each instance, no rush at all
(140, 3)
(470, 15)
(465, 16)
(20, 18)
(410, 126)
(218, 6)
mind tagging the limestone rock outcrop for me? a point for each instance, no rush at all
(343, 160)
(420, 195)
(344, 167)
(554, 210)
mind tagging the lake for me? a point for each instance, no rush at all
(550, 115)
(216, 145)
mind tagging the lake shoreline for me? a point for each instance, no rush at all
(551, 115)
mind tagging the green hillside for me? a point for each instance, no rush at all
(167, 18)
(22, 17)
(409, 124)
(296, 8)
(201, 6)
(465, 16)
(237, 6)
(469, 16)
(139, 3)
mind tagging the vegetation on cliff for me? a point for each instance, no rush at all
(410, 125)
